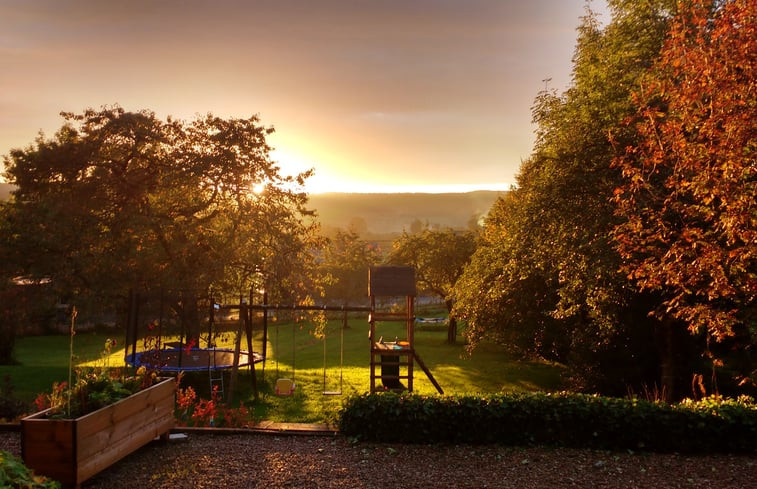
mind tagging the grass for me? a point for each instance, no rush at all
(293, 352)
(43, 360)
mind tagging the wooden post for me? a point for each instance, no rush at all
(132, 320)
(248, 333)
(211, 321)
(237, 348)
(265, 330)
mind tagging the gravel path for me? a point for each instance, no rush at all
(276, 461)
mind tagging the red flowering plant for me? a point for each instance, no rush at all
(92, 388)
(192, 410)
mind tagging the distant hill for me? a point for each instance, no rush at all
(390, 213)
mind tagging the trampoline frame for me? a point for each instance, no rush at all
(182, 359)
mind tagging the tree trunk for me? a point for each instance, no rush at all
(189, 316)
(452, 326)
(671, 362)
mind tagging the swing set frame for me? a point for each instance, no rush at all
(341, 359)
(384, 282)
(286, 386)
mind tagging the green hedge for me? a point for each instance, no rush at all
(559, 419)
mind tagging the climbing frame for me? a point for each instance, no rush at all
(392, 293)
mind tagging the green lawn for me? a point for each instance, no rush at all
(44, 360)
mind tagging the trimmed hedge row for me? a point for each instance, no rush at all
(559, 419)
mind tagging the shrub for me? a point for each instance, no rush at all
(194, 411)
(10, 408)
(560, 419)
(95, 388)
(13, 473)
(10, 318)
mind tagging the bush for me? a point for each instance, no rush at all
(13, 473)
(9, 322)
(560, 419)
(10, 408)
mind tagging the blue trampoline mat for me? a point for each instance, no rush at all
(194, 359)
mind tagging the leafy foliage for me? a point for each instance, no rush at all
(120, 200)
(10, 317)
(545, 275)
(563, 419)
(687, 197)
(192, 410)
(10, 407)
(439, 258)
(345, 264)
(13, 473)
(94, 389)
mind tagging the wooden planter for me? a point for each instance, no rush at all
(73, 450)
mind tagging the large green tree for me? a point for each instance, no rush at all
(119, 200)
(545, 276)
(687, 199)
(439, 258)
(345, 264)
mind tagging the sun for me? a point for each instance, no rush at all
(293, 163)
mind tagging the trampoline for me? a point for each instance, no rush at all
(192, 360)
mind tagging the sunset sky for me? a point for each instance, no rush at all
(376, 95)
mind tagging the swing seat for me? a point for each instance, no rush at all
(284, 387)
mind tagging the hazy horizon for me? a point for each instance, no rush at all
(431, 191)
(375, 96)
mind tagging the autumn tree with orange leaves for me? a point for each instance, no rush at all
(687, 202)
(544, 280)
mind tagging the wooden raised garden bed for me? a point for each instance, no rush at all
(73, 450)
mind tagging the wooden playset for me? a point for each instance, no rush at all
(392, 292)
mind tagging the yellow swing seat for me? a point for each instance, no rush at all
(284, 387)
